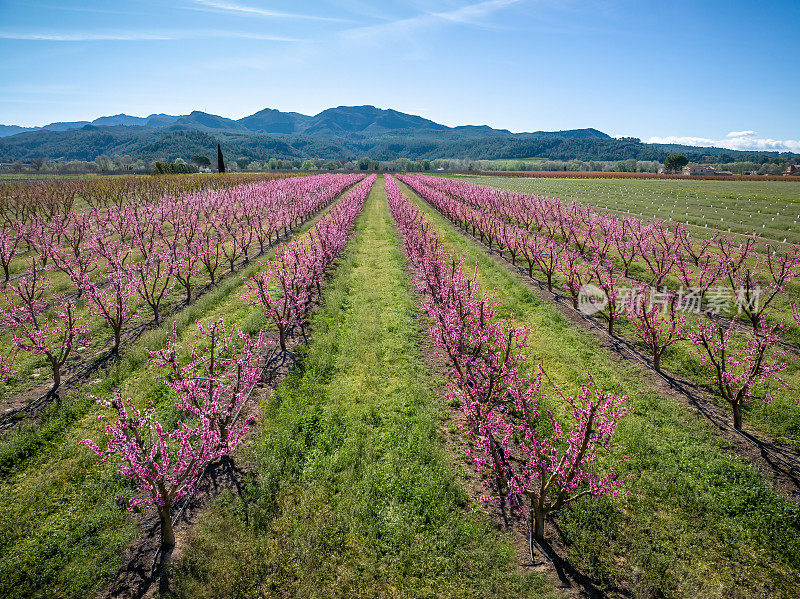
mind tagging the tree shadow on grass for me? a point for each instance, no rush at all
(574, 582)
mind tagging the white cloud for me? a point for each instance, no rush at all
(688, 141)
(471, 14)
(741, 134)
(83, 37)
(232, 7)
(736, 140)
(140, 37)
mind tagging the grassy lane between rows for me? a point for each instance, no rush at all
(62, 529)
(354, 495)
(698, 521)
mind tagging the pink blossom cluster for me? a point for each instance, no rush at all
(166, 465)
(525, 455)
(216, 382)
(51, 332)
(737, 368)
(213, 389)
(285, 286)
(658, 325)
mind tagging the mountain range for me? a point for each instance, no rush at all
(344, 132)
(333, 122)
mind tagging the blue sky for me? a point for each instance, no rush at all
(704, 72)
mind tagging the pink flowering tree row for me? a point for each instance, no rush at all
(661, 250)
(147, 238)
(285, 286)
(578, 244)
(212, 378)
(235, 217)
(539, 471)
(124, 259)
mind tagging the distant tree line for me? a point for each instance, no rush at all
(608, 166)
(126, 164)
(174, 168)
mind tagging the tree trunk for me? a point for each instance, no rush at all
(56, 377)
(167, 534)
(56, 367)
(536, 526)
(117, 337)
(167, 545)
(657, 361)
(737, 416)
(282, 334)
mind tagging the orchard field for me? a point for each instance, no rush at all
(771, 208)
(344, 385)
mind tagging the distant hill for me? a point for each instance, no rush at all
(270, 120)
(203, 121)
(154, 120)
(65, 126)
(6, 130)
(344, 132)
(366, 121)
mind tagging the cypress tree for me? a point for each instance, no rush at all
(220, 161)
